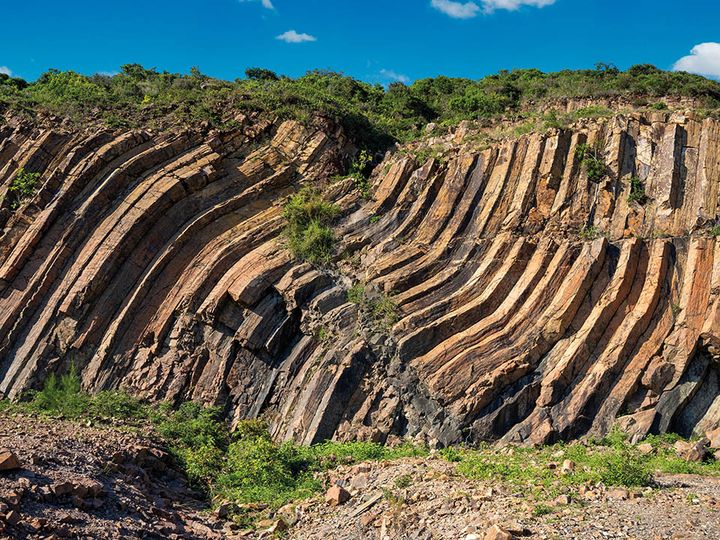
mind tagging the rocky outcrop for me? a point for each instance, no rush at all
(155, 263)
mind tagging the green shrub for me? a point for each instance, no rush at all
(715, 230)
(403, 481)
(360, 170)
(22, 186)
(62, 396)
(260, 74)
(541, 510)
(356, 294)
(637, 191)
(118, 405)
(590, 159)
(308, 231)
(622, 468)
(380, 307)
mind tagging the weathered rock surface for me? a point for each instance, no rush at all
(156, 263)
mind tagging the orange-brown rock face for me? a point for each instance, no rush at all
(155, 263)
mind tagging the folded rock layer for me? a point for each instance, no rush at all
(505, 293)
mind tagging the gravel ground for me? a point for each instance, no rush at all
(439, 504)
(138, 493)
(80, 481)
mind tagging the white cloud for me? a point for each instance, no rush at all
(5, 70)
(394, 76)
(291, 36)
(468, 10)
(512, 5)
(456, 10)
(267, 4)
(704, 59)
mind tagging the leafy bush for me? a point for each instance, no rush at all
(308, 231)
(62, 396)
(373, 116)
(623, 468)
(22, 186)
(590, 159)
(637, 191)
(260, 74)
(360, 170)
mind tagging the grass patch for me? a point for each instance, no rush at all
(380, 308)
(593, 111)
(308, 231)
(247, 466)
(611, 460)
(240, 466)
(590, 232)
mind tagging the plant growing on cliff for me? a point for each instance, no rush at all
(637, 191)
(360, 171)
(308, 230)
(590, 232)
(591, 161)
(379, 307)
(23, 186)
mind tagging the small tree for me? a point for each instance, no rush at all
(261, 74)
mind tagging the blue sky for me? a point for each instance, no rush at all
(375, 40)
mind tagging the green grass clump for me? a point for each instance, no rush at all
(380, 308)
(611, 460)
(715, 230)
(593, 111)
(542, 510)
(590, 232)
(22, 187)
(308, 230)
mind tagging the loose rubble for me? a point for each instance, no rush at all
(66, 480)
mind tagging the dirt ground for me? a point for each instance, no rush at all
(81, 481)
(439, 504)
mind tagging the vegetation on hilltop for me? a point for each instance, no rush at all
(375, 116)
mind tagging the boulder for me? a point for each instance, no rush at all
(692, 451)
(645, 448)
(497, 533)
(8, 460)
(713, 437)
(336, 495)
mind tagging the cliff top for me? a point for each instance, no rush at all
(374, 116)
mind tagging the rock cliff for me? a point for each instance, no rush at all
(499, 291)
